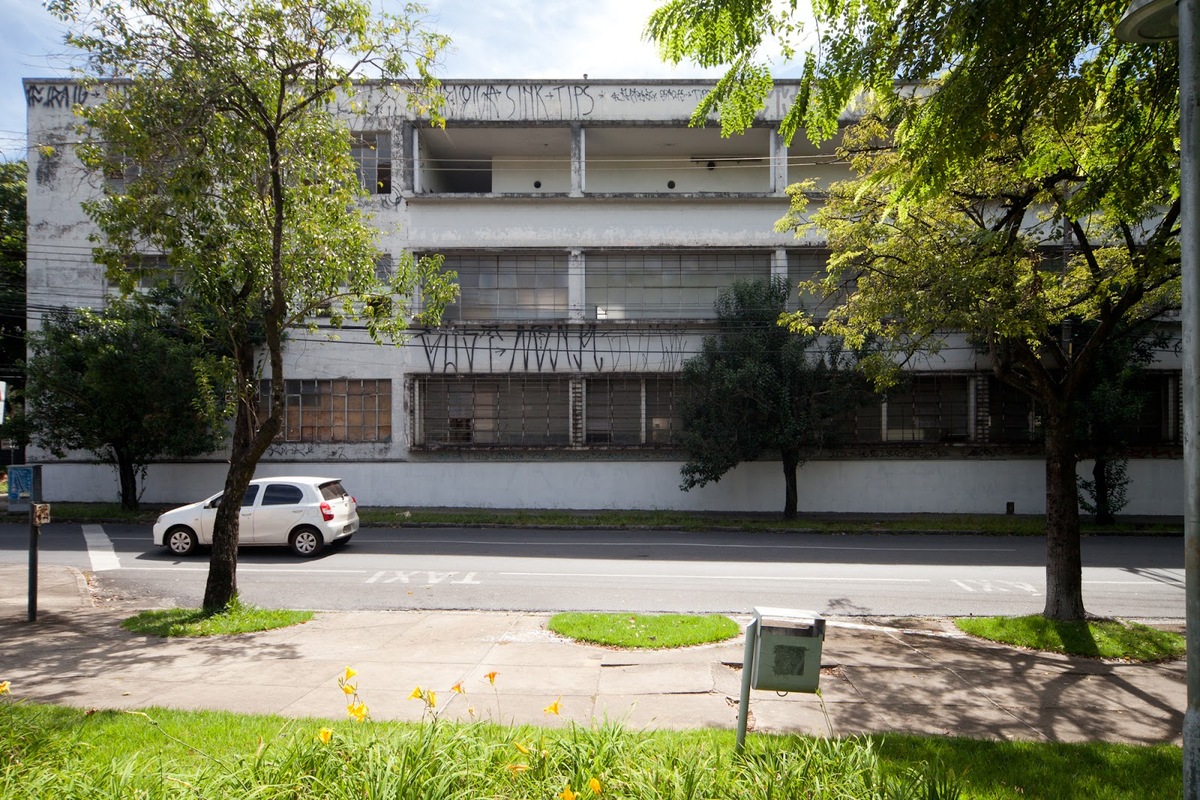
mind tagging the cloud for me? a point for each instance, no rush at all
(559, 39)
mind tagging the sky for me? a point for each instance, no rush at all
(548, 39)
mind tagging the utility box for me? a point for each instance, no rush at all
(787, 651)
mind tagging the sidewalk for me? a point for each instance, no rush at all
(912, 676)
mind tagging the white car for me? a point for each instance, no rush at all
(304, 513)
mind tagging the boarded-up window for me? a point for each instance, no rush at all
(337, 410)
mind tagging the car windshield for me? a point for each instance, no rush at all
(333, 490)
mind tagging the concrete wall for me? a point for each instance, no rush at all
(884, 486)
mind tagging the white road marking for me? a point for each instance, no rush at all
(690, 545)
(241, 569)
(100, 549)
(824, 578)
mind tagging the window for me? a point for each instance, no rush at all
(372, 153)
(120, 172)
(807, 265)
(927, 409)
(631, 410)
(544, 411)
(1158, 420)
(339, 410)
(508, 411)
(153, 272)
(512, 286)
(282, 494)
(1013, 417)
(664, 285)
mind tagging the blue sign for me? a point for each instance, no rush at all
(20, 487)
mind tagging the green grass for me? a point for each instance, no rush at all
(238, 618)
(48, 751)
(1096, 638)
(995, 524)
(652, 631)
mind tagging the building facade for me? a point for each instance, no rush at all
(591, 229)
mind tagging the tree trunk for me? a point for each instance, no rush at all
(127, 476)
(791, 464)
(1104, 515)
(1064, 564)
(250, 441)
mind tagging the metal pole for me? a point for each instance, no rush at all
(35, 497)
(747, 668)
(1189, 174)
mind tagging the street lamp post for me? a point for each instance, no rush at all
(1152, 21)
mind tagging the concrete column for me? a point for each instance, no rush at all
(779, 165)
(578, 156)
(576, 281)
(405, 146)
(413, 157)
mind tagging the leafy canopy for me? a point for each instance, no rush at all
(122, 383)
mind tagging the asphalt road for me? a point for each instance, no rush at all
(650, 571)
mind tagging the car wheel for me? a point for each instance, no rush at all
(306, 542)
(181, 540)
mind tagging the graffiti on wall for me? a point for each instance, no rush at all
(55, 95)
(518, 101)
(552, 348)
(551, 101)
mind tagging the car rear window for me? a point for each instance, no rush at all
(333, 491)
(282, 494)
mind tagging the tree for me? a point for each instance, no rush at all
(1113, 396)
(120, 383)
(12, 271)
(234, 166)
(1015, 181)
(756, 387)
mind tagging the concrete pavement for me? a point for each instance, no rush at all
(912, 676)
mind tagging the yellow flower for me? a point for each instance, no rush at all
(349, 688)
(567, 794)
(350, 673)
(491, 676)
(325, 735)
(458, 688)
(432, 700)
(5, 687)
(517, 768)
(594, 785)
(522, 748)
(358, 711)
(553, 708)
(416, 694)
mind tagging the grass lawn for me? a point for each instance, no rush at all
(48, 751)
(998, 524)
(644, 630)
(237, 618)
(1096, 638)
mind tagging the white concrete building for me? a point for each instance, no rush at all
(591, 230)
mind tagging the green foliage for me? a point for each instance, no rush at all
(58, 752)
(12, 269)
(122, 383)
(221, 148)
(758, 387)
(643, 630)
(1094, 637)
(1105, 497)
(237, 617)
